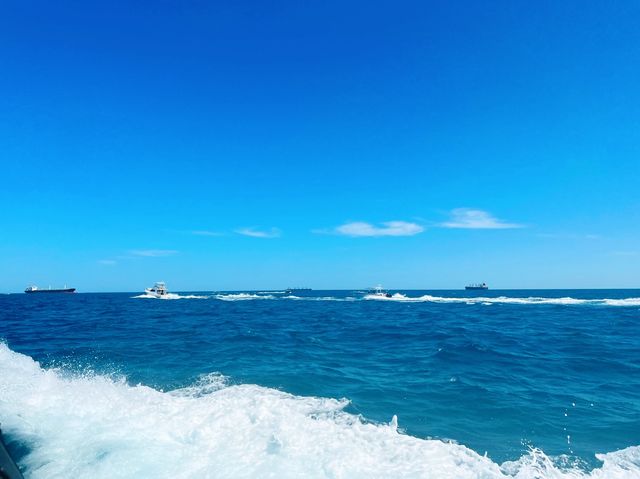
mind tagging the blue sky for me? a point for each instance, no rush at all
(242, 145)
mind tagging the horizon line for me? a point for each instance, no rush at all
(269, 290)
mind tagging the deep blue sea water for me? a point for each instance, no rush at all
(264, 384)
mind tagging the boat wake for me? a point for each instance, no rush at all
(319, 298)
(506, 300)
(399, 297)
(242, 296)
(169, 296)
(96, 426)
(381, 297)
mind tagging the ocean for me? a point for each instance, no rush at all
(323, 384)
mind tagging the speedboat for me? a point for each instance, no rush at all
(159, 290)
(380, 293)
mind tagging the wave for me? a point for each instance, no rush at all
(169, 296)
(506, 300)
(622, 302)
(242, 296)
(394, 297)
(319, 298)
(486, 301)
(96, 426)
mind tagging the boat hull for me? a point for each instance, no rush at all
(155, 293)
(8, 466)
(65, 290)
(475, 288)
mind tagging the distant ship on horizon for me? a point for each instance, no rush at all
(296, 290)
(35, 289)
(477, 286)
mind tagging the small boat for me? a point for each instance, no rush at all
(379, 292)
(477, 286)
(35, 289)
(159, 290)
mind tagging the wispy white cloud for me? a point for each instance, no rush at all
(470, 218)
(206, 233)
(568, 236)
(153, 253)
(255, 233)
(107, 261)
(387, 228)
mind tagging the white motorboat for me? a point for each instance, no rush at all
(159, 290)
(378, 292)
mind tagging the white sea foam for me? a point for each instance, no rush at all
(532, 300)
(318, 298)
(506, 300)
(394, 297)
(170, 296)
(97, 427)
(622, 302)
(242, 296)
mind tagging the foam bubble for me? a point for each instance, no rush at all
(92, 426)
(623, 464)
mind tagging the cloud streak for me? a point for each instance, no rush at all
(206, 233)
(624, 253)
(255, 233)
(469, 218)
(387, 228)
(568, 236)
(153, 253)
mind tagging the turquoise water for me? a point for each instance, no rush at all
(264, 384)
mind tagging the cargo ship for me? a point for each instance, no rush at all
(35, 289)
(477, 286)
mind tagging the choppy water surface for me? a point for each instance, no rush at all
(264, 384)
